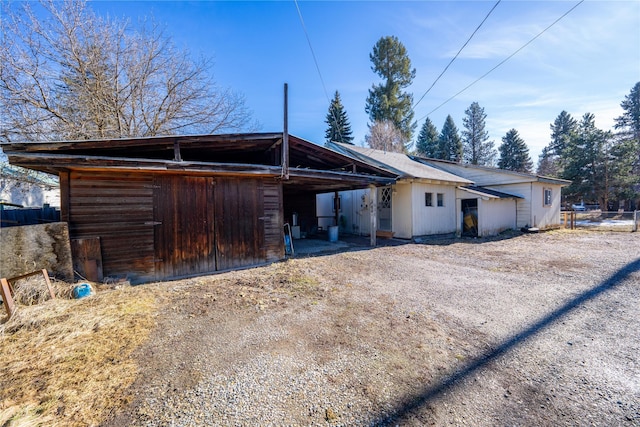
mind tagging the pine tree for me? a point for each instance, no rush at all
(514, 153)
(588, 163)
(339, 129)
(427, 142)
(388, 101)
(629, 122)
(551, 161)
(477, 149)
(561, 131)
(629, 135)
(450, 144)
(548, 163)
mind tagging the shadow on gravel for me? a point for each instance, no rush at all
(415, 402)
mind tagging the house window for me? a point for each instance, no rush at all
(547, 197)
(337, 205)
(440, 199)
(428, 199)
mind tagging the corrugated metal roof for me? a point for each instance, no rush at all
(463, 167)
(399, 163)
(490, 193)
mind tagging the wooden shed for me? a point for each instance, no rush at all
(168, 207)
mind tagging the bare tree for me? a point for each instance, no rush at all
(69, 74)
(384, 135)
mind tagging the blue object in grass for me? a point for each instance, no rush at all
(81, 291)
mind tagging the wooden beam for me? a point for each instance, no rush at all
(373, 213)
(7, 298)
(285, 135)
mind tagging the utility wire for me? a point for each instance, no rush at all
(503, 61)
(315, 60)
(306, 34)
(457, 54)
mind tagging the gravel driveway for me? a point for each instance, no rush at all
(540, 329)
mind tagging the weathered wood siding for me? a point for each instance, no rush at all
(240, 236)
(184, 225)
(273, 221)
(155, 226)
(118, 208)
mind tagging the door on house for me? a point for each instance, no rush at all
(384, 208)
(469, 217)
(184, 223)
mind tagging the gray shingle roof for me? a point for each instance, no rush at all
(399, 163)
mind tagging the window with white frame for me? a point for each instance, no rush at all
(428, 199)
(440, 199)
(547, 197)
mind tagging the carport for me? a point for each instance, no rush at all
(175, 206)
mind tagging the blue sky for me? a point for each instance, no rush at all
(587, 62)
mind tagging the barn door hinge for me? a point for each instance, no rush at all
(152, 223)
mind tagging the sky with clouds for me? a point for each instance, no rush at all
(586, 62)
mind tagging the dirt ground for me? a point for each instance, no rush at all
(539, 329)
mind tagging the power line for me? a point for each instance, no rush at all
(315, 60)
(457, 54)
(503, 61)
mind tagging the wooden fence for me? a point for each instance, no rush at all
(598, 220)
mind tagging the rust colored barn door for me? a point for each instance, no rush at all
(184, 214)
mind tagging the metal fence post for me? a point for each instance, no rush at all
(635, 220)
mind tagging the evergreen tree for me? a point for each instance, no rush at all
(629, 136)
(514, 153)
(449, 142)
(388, 101)
(477, 149)
(629, 122)
(624, 178)
(427, 142)
(561, 131)
(588, 163)
(339, 129)
(550, 162)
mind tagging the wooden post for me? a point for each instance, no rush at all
(373, 213)
(285, 135)
(635, 221)
(336, 207)
(177, 157)
(7, 298)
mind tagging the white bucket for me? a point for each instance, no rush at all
(333, 233)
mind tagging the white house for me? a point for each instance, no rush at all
(538, 198)
(28, 189)
(423, 201)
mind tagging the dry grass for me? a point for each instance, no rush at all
(67, 362)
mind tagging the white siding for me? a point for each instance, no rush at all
(402, 205)
(434, 219)
(496, 216)
(545, 216)
(354, 209)
(523, 213)
(28, 194)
